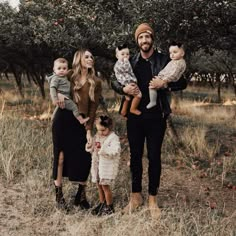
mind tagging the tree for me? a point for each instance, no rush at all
(42, 30)
(218, 69)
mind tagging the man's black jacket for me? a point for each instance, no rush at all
(158, 62)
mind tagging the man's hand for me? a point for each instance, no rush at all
(157, 83)
(131, 89)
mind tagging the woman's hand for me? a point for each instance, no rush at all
(157, 83)
(61, 100)
(131, 89)
(89, 137)
(55, 102)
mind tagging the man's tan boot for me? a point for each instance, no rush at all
(136, 201)
(153, 207)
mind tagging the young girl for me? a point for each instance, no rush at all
(105, 149)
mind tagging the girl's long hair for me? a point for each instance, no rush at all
(76, 72)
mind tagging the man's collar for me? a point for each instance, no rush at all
(147, 59)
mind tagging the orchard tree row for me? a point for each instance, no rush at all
(32, 36)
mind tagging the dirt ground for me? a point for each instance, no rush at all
(181, 188)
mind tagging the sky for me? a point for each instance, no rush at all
(13, 3)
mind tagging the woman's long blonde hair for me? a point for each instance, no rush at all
(76, 72)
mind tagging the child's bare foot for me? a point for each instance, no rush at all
(123, 113)
(82, 120)
(136, 112)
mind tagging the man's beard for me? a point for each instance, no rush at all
(148, 49)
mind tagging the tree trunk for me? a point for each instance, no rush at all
(17, 75)
(41, 86)
(40, 83)
(218, 87)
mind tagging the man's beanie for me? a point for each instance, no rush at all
(143, 28)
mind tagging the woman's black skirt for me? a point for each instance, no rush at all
(69, 136)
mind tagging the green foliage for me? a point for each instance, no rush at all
(66, 25)
(217, 62)
(41, 30)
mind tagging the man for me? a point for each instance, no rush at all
(150, 126)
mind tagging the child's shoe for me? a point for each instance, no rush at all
(108, 210)
(98, 209)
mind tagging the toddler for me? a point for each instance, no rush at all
(105, 150)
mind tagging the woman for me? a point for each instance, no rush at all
(69, 136)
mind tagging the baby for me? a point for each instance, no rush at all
(171, 72)
(60, 84)
(124, 75)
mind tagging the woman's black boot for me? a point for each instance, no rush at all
(78, 195)
(80, 198)
(61, 203)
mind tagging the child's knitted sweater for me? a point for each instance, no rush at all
(105, 162)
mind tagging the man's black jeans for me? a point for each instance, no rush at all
(153, 131)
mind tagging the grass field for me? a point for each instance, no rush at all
(198, 183)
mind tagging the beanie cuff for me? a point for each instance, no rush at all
(143, 28)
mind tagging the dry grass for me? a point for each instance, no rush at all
(209, 113)
(194, 196)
